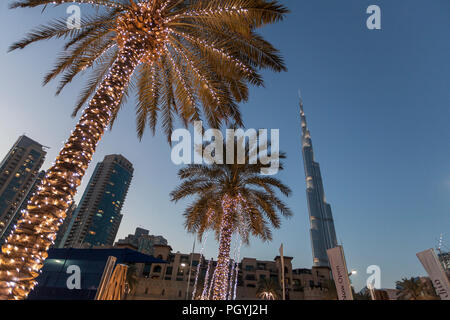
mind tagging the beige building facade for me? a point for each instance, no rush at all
(170, 281)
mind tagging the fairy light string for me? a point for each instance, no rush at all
(205, 285)
(226, 232)
(211, 284)
(236, 273)
(194, 291)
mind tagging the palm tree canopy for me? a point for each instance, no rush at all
(268, 286)
(410, 289)
(196, 53)
(259, 203)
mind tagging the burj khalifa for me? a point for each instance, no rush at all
(323, 234)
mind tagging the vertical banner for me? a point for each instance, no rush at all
(372, 292)
(434, 268)
(340, 273)
(282, 272)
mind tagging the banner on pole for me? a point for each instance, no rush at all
(340, 273)
(433, 266)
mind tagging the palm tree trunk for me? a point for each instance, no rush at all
(24, 252)
(223, 260)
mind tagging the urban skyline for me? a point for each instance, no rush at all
(375, 144)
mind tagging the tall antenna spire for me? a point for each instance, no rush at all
(440, 243)
(301, 99)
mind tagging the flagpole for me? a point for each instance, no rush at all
(190, 270)
(282, 272)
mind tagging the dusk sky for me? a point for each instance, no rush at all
(377, 104)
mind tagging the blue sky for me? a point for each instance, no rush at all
(377, 107)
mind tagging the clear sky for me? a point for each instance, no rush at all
(377, 107)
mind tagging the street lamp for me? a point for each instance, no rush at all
(353, 273)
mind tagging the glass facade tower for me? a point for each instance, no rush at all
(97, 218)
(323, 234)
(18, 172)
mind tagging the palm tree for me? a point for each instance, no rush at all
(231, 198)
(268, 290)
(178, 54)
(429, 291)
(410, 289)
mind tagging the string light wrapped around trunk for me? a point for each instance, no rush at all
(229, 204)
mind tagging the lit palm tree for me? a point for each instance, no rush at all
(268, 290)
(231, 198)
(410, 289)
(178, 54)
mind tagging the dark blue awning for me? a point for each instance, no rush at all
(122, 255)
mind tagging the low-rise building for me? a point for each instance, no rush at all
(142, 241)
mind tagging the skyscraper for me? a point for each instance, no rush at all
(18, 172)
(323, 234)
(97, 218)
(63, 228)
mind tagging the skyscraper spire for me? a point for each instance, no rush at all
(323, 234)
